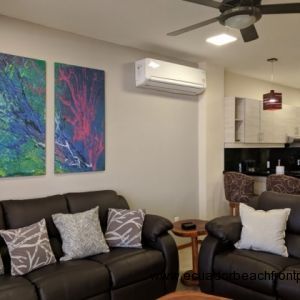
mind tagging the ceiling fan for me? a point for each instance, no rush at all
(240, 14)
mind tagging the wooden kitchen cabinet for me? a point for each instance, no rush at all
(247, 122)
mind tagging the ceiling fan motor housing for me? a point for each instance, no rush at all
(240, 17)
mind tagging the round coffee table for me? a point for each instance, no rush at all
(187, 277)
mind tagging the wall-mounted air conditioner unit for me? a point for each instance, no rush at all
(169, 77)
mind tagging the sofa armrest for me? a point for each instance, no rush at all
(226, 229)
(210, 247)
(154, 226)
(155, 235)
(166, 244)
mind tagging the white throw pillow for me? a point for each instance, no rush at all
(81, 234)
(263, 230)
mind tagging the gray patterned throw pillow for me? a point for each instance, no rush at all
(81, 234)
(28, 247)
(124, 228)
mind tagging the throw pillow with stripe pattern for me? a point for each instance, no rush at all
(124, 228)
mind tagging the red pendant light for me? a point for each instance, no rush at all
(272, 100)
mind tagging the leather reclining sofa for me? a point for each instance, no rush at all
(246, 274)
(123, 273)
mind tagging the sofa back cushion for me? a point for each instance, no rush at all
(3, 248)
(273, 200)
(2, 221)
(78, 202)
(21, 213)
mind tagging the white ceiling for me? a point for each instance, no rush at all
(144, 23)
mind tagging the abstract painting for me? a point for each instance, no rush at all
(22, 116)
(79, 119)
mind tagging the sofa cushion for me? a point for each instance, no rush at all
(127, 266)
(288, 284)
(273, 200)
(251, 269)
(116, 254)
(79, 202)
(29, 248)
(81, 234)
(12, 288)
(24, 213)
(78, 279)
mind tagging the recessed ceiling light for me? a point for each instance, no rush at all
(221, 39)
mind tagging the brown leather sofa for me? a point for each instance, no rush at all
(123, 273)
(247, 274)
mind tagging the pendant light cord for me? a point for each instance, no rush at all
(272, 60)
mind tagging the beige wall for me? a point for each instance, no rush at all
(243, 86)
(212, 202)
(151, 137)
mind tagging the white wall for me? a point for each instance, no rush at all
(151, 138)
(243, 86)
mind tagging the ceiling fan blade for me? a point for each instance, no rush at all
(210, 3)
(192, 27)
(287, 8)
(249, 34)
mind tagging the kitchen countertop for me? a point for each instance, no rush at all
(294, 173)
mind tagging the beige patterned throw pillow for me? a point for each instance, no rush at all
(124, 228)
(81, 234)
(28, 247)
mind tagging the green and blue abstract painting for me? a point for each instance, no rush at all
(22, 116)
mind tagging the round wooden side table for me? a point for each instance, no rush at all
(187, 277)
(191, 295)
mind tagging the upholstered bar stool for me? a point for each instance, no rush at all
(283, 184)
(238, 188)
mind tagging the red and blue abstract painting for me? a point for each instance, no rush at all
(79, 119)
(22, 116)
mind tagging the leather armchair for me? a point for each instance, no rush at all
(246, 274)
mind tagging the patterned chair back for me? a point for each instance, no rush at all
(283, 184)
(238, 187)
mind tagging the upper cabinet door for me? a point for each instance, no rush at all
(252, 122)
(280, 124)
(297, 122)
(266, 125)
(290, 120)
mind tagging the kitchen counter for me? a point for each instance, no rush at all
(294, 173)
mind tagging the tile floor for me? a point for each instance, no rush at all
(185, 263)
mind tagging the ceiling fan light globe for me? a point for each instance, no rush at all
(240, 21)
(240, 17)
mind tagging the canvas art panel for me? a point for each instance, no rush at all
(22, 116)
(79, 119)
